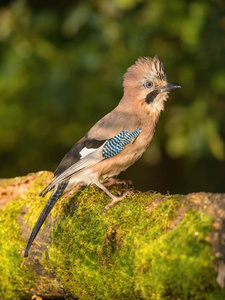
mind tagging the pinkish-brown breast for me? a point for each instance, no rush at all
(130, 154)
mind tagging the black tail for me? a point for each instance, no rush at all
(48, 207)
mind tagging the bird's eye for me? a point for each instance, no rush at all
(148, 84)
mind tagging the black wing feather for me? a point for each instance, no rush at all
(74, 156)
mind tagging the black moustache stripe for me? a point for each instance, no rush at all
(151, 96)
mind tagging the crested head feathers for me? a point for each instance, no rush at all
(145, 67)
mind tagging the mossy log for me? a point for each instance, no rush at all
(149, 246)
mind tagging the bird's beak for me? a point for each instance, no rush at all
(170, 87)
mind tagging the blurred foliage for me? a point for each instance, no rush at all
(61, 68)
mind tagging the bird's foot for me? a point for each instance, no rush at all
(113, 180)
(116, 199)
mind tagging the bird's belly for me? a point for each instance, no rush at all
(120, 162)
(85, 176)
(116, 165)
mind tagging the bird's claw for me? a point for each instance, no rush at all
(116, 199)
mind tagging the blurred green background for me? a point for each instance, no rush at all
(61, 68)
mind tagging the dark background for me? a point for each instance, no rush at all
(61, 68)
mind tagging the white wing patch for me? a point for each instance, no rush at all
(85, 151)
(87, 161)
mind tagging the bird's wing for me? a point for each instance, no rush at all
(108, 127)
(112, 124)
(105, 139)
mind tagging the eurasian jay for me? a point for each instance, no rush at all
(116, 141)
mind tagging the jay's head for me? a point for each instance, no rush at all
(146, 83)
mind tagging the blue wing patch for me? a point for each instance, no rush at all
(118, 142)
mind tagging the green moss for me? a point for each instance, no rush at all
(15, 278)
(93, 253)
(127, 252)
(179, 263)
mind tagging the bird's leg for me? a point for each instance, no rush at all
(113, 197)
(114, 180)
